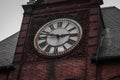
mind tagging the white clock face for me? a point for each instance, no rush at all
(57, 37)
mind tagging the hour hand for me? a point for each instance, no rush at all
(47, 34)
(63, 35)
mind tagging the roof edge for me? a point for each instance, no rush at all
(9, 36)
(110, 7)
(105, 59)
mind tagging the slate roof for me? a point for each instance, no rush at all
(110, 46)
(7, 50)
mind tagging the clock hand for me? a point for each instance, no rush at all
(49, 34)
(58, 39)
(57, 35)
(63, 35)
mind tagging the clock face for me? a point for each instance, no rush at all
(57, 37)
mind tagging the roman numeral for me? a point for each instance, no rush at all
(67, 25)
(48, 48)
(74, 35)
(52, 27)
(64, 47)
(44, 32)
(42, 38)
(70, 41)
(72, 29)
(59, 24)
(43, 44)
(55, 49)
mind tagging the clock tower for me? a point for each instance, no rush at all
(57, 40)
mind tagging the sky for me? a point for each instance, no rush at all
(11, 14)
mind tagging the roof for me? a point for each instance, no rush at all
(7, 49)
(110, 46)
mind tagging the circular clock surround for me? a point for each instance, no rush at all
(58, 37)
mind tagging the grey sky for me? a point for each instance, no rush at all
(11, 14)
(10, 17)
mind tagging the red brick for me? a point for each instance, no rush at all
(93, 18)
(110, 70)
(91, 68)
(21, 41)
(70, 69)
(92, 50)
(93, 26)
(93, 10)
(92, 41)
(17, 57)
(34, 71)
(93, 30)
(23, 34)
(24, 27)
(93, 33)
(26, 20)
(19, 49)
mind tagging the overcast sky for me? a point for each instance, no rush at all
(11, 14)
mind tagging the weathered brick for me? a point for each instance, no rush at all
(91, 68)
(92, 41)
(19, 49)
(24, 27)
(110, 70)
(23, 34)
(93, 33)
(92, 50)
(17, 57)
(93, 10)
(93, 26)
(70, 69)
(93, 30)
(93, 18)
(26, 20)
(21, 41)
(34, 71)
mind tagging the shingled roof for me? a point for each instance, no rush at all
(110, 46)
(7, 50)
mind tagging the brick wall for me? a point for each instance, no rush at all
(31, 65)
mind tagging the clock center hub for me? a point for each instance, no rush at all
(59, 37)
